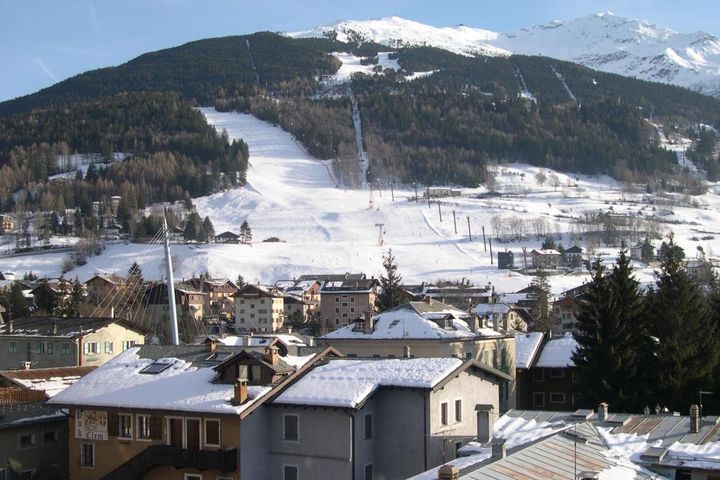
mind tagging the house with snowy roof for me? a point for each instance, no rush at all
(307, 290)
(342, 301)
(100, 287)
(546, 380)
(546, 259)
(218, 295)
(429, 329)
(177, 412)
(378, 418)
(507, 317)
(259, 308)
(44, 342)
(460, 296)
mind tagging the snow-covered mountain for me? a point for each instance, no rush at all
(604, 41)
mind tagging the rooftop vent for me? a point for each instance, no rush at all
(155, 368)
(654, 454)
(583, 413)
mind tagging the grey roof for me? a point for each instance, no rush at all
(557, 457)
(328, 277)
(21, 414)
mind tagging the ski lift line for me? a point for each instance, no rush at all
(102, 303)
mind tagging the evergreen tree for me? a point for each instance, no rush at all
(208, 230)
(190, 232)
(245, 232)
(45, 297)
(15, 302)
(679, 317)
(543, 320)
(390, 295)
(647, 252)
(240, 282)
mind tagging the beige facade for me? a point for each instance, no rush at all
(259, 309)
(182, 430)
(341, 308)
(100, 346)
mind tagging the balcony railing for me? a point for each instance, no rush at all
(160, 455)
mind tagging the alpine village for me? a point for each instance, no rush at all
(373, 250)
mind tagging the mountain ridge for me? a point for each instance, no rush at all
(603, 41)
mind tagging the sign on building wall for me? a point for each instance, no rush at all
(91, 425)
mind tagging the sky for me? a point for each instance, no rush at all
(45, 41)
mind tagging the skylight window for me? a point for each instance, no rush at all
(219, 356)
(155, 368)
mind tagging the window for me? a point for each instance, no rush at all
(538, 375)
(49, 437)
(65, 348)
(458, 446)
(468, 355)
(262, 301)
(290, 428)
(352, 299)
(108, 347)
(40, 347)
(212, 432)
(50, 348)
(192, 476)
(458, 410)
(556, 397)
(127, 344)
(556, 373)
(344, 304)
(443, 413)
(91, 348)
(538, 399)
(683, 474)
(290, 472)
(368, 471)
(87, 455)
(12, 347)
(337, 299)
(125, 426)
(26, 440)
(143, 427)
(368, 427)
(155, 368)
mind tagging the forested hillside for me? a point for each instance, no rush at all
(174, 154)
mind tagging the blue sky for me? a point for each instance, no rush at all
(43, 41)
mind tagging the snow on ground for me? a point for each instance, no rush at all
(327, 229)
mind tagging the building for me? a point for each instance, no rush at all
(7, 224)
(429, 329)
(589, 444)
(382, 418)
(342, 301)
(505, 316)
(308, 290)
(227, 237)
(218, 294)
(189, 305)
(296, 311)
(505, 260)
(44, 342)
(175, 412)
(259, 309)
(48, 381)
(547, 381)
(100, 287)
(460, 296)
(438, 192)
(572, 257)
(546, 259)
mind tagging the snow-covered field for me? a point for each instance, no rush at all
(325, 228)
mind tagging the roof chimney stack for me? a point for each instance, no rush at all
(54, 328)
(498, 449)
(240, 394)
(603, 412)
(448, 472)
(271, 355)
(11, 326)
(484, 423)
(211, 345)
(694, 419)
(406, 351)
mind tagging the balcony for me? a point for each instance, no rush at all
(161, 455)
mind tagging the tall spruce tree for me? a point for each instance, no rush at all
(679, 317)
(208, 230)
(542, 315)
(390, 295)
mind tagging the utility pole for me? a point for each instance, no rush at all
(484, 244)
(524, 249)
(392, 191)
(380, 237)
(454, 222)
(491, 254)
(469, 231)
(416, 197)
(439, 212)
(427, 192)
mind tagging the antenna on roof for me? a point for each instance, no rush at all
(170, 286)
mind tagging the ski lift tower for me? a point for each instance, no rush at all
(380, 229)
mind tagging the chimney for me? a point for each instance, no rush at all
(498, 449)
(11, 326)
(27, 365)
(369, 324)
(54, 328)
(112, 311)
(240, 394)
(484, 423)
(406, 351)
(474, 323)
(211, 345)
(603, 412)
(694, 419)
(448, 472)
(271, 355)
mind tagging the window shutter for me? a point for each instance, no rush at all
(113, 424)
(156, 428)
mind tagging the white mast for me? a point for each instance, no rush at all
(170, 287)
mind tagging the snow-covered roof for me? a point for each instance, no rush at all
(348, 383)
(546, 251)
(557, 353)
(50, 380)
(526, 347)
(406, 322)
(490, 308)
(261, 340)
(180, 387)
